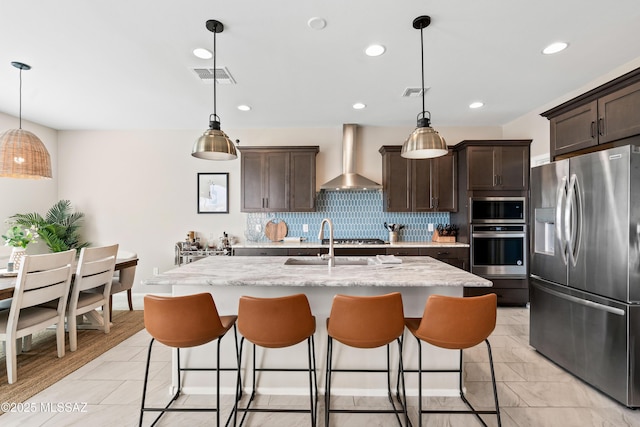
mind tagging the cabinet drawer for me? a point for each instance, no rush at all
(403, 251)
(261, 252)
(445, 252)
(358, 251)
(506, 297)
(307, 251)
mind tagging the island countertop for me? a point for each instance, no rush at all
(271, 271)
(305, 244)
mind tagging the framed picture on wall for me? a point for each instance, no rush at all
(213, 192)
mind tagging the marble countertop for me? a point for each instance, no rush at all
(272, 271)
(305, 244)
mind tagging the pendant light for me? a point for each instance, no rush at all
(214, 144)
(22, 154)
(424, 142)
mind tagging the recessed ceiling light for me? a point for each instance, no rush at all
(555, 48)
(316, 23)
(375, 50)
(358, 106)
(202, 53)
(476, 104)
(244, 108)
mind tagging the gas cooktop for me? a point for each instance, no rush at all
(354, 241)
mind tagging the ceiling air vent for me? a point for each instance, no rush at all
(412, 92)
(222, 75)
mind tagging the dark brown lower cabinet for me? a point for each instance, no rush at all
(308, 251)
(260, 251)
(458, 257)
(510, 292)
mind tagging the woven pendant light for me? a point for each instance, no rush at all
(22, 154)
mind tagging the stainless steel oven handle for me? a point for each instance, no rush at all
(498, 235)
(587, 303)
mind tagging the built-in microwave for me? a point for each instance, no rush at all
(498, 210)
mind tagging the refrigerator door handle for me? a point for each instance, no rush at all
(568, 223)
(577, 233)
(586, 303)
(561, 199)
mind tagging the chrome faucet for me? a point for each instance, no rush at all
(330, 256)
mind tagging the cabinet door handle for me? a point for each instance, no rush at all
(600, 126)
(437, 203)
(266, 202)
(442, 253)
(593, 129)
(495, 180)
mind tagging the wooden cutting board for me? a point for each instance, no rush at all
(275, 230)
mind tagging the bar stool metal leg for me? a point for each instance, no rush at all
(400, 387)
(313, 385)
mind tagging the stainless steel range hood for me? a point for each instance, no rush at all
(349, 179)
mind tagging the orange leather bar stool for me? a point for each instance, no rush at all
(183, 322)
(455, 323)
(367, 322)
(278, 323)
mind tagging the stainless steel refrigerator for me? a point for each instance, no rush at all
(585, 268)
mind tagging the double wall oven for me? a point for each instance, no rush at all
(499, 237)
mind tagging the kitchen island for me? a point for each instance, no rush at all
(229, 278)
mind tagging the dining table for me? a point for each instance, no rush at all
(8, 280)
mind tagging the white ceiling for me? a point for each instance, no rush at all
(116, 64)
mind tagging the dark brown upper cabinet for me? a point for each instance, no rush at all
(426, 185)
(278, 179)
(604, 115)
(498, 167)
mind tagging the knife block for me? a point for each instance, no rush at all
(442, 239)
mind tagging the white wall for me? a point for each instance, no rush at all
(533, 126)
(138, 188)
(27, 195)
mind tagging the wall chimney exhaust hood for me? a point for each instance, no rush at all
(349, 179)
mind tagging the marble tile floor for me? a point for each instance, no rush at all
(532, 391)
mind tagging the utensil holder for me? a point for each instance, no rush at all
(393, 237)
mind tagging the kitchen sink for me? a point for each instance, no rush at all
(339, 261)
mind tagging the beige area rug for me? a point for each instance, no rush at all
(40, 367)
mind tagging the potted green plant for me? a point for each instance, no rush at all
(59, 228)
(19, 238)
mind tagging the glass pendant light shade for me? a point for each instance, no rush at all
(23, 155)
(214, 144)
(424, 142)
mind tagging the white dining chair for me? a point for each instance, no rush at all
(91, 288)
(41, 279)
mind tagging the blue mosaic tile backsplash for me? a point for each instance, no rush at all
(355, 214)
